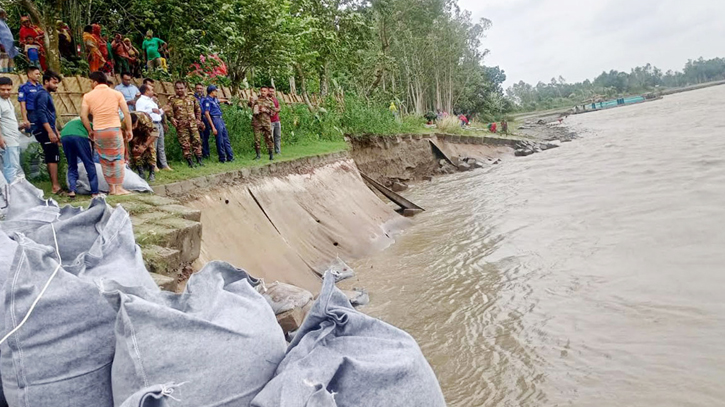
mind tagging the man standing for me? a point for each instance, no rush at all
(128, 90)
(27, 94)
(44, 126)
(276, 124)
(262, 109)
(77, 146)
(9, 133)
(204, 129)
(103, 104)
(186, 117)
(143, 152)
(151, 46)
(146, 104)
(7, 41)
(213, 113)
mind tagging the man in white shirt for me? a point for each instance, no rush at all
(129, 90)
(9, 133)
(146, 104)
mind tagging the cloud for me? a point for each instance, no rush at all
(536, 40)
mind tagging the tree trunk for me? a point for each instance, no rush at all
(292, 85)
(46, 19)
(384, 45)
(303, 88)
(325, 80)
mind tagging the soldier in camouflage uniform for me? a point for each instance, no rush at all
(262, 110)
(185, 114)
(142, 145)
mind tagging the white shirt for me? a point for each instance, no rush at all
(9, 123)
(147, 105)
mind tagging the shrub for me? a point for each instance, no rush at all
(450, 124)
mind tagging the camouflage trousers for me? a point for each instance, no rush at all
(189, 139)
(260, 129)
(146, 158)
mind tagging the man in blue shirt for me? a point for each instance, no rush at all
(129, 90)
(213, 114)
(27, 93)
(205, 128)
(44, 128)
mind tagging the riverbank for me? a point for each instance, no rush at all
(289, 219)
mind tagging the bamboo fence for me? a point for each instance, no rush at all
(69, 95)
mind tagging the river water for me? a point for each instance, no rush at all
(588, 275)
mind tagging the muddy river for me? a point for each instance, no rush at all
(588, 275)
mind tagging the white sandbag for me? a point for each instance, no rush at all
(62, 355)
(342, 357)
(26, 209)
(219, 341)
(131, 181)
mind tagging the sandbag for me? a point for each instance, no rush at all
(219, 338)
(98, 243)
(131, 181)
(154, 396)
(62, 355)
(26, 209)
(341, 357)
(7, 253)
(340, 270)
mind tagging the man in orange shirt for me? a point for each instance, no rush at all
(103, 103)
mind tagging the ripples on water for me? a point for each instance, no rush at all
(588, 275)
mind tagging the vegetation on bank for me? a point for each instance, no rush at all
(608, 85)
(303, 134)
(421, 54)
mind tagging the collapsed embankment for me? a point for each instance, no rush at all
(289, 221)
(414, 157)
(291, 224)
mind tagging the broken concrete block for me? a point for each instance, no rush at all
(399, 187)
(164, 282)
(182, 212)
(162, 260)
(291, 320)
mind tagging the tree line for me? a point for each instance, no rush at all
(422, 54)
(612, 84)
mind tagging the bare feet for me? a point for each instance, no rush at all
(168, 168)
(121, 191)
(118, 190)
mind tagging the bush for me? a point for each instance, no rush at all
(450, 124)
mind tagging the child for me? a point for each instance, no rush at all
(32, 50)
(162, 64)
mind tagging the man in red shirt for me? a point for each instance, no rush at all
(276, 124)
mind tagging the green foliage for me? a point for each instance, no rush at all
(300, 127)
(642, 79)
(424, 54)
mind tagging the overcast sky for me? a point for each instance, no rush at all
(536, 40)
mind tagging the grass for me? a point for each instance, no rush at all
(183, 172)
(246, 159)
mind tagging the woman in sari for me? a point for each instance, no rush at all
(107, 66)
(133, 57)
(28, 29)
(95, 57)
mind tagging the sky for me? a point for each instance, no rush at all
(536, 40)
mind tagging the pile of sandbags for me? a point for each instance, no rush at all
(83, 324)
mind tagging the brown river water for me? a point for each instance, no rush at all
(588, 275)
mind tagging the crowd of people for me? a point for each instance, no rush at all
(121, 125)
(102, 53)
